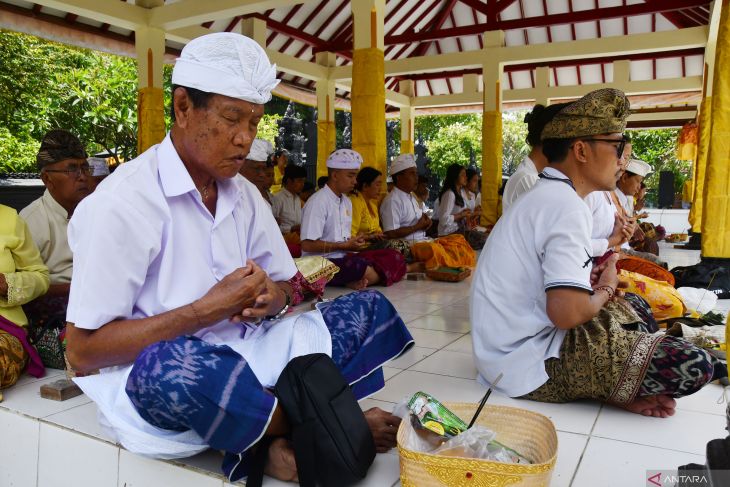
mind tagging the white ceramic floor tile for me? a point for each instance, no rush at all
(706, 400)
(686, 431)
(27, 400)
(18, 449)
(27, 379)
(389, 372)
(574, 417)
(453, 364)
(457, 310)
(83, 419)
(137, 471)
(405, 305)
(609, 463)
(442, 323)
(368, 403)
(438, 297)
(413, 355)
(207, 463)
(570, 449)
(433, 338)
(463, 345)
(446, 389)
(68, 459)
(408, 317)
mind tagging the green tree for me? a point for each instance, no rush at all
(269, 128)
(451, 139)
(659, 148)
(514, 146)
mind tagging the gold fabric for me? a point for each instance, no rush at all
(13, 358)
(406, 146)
(449, 251)
(365, 218)
(700, 168)
(368, 107)
(600, 360)
(278, 178)
(150, 117)
(20, 262)
(315, 267)
(325, 144)
(716, 211)
(601, 111)
(664, 299)
(491, 166)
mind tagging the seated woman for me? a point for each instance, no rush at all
(23, 277)
(453, 214)
(472, 193)
(327, 227)
(403, 218)
(365, 218)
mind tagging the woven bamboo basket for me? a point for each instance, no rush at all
(530, 433)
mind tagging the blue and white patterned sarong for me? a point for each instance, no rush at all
(188, 384)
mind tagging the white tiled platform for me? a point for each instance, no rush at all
(49, 444)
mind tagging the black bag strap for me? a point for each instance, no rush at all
(256, 473)
(304, 452)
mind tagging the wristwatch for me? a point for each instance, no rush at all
(282, 311)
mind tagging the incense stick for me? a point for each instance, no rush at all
(484, 400)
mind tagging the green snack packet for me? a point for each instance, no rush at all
(428, 413)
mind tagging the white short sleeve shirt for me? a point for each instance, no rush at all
(603, 211)
(447, 208)
(287, 208)
(327, 217)
(542, 243)
(523, 179)
(400, 209)
(144, 243)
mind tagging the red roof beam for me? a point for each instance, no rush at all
(435, 24)
(543, 21)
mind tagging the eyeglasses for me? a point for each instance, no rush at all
(619, 148)
(74, 170)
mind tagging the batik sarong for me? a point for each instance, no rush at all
(12, 359)
(187, 383)
(389, 264)
(603, 360)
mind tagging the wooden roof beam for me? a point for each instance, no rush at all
(121, 14)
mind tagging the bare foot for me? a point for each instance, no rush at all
(416, 267)
(357, 285)
(384, 427)
(280, 463)
(659, 406)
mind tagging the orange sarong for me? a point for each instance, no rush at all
(449, 251)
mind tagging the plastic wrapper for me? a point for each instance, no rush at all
(479, 442)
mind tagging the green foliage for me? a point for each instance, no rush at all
(659, 148)
(15, 153)
(451, 139)
(514, 147)
(269, 128)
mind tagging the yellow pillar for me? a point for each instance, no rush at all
(700, 167)
(368, 84)
(716, 192)
(150, 47)
(325, 115)
(407, 119)
(492, 129)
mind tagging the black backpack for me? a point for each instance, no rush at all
(704, 275)
(332, 442)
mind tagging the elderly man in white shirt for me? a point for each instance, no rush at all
(180, 284)
(286, 204)
(327, 230)
(527, 172)
(544, 316)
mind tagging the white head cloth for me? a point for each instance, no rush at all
(260, 150)
(98, 166)
(227, 64)
(635, 166)
(402, 162)
(344, 159)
